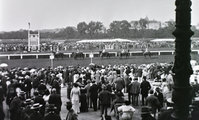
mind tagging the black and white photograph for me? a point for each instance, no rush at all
(99, 60)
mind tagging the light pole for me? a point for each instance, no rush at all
(182, 69)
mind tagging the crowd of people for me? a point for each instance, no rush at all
(55, 46)
(35, 93)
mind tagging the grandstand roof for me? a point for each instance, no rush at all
(104, 40)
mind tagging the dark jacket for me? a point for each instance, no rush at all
(134, 87)
(52, 116)
(27, 85)
(160, 98)
(71, 115)
(93, 91)
(104, 97)
(36, 116)
(15, 108)
(153, 102)
(56, 100)
(145, 87)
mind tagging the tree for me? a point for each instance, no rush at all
(82, 28)
(143, 23)
(70, 32)
(119, 29)
(94, 28)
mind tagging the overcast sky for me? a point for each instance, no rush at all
(48, 14)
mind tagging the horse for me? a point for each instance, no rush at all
(58, 55)
(146, 53)
(76, 55)
(104, 54)
(124, 54)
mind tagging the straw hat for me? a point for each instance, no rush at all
(36, 106)
(28, 102)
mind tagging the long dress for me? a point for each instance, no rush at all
(75, 94)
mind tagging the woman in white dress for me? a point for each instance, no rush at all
(75, 94)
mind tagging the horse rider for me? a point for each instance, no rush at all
(78, 51)
(123, 51)
(146, 50)
(103, 51)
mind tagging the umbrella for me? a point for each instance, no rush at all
(3, 65)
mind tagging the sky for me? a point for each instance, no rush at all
(50, 14)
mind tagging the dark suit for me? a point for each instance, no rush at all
(52, 116)
(104, 98)
(160, 98)
(134, 91)
(94, 95)
(153, 102)
(56, 100)
(27, 87)
(39, 99)
(15, 109)
(145, 87)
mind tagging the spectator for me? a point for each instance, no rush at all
(94, 95)
(56, 100)
(145, 87)
(145, 114)
(75, 95)
(152, 102)
(127, 111)
(51, 114)
(160, 97)
(71, 115)
(134, 91)
(104, 98)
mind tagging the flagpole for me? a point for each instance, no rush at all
(28, 36)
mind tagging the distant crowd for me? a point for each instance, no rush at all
(35, 93)
(53, 46)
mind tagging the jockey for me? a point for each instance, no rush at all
(77, 50)
(103, 51)
(146, 50)
(123, 51)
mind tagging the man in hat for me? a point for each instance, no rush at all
(71, 113)
(145, 87)
(27, 86)
(36, 115)
(104, 98)
(134, 90)
(51, 115)
(39, 99)
(160, 97)
(41, 87)
(152, 102)
(16, 106)
(87, 87)
(119, 83)
(27, 111)
(56, 85)
(145, 114)
(56, 100)
(94, 95)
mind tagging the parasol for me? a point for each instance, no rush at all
(3, 65)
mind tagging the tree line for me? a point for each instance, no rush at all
(96, 30)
